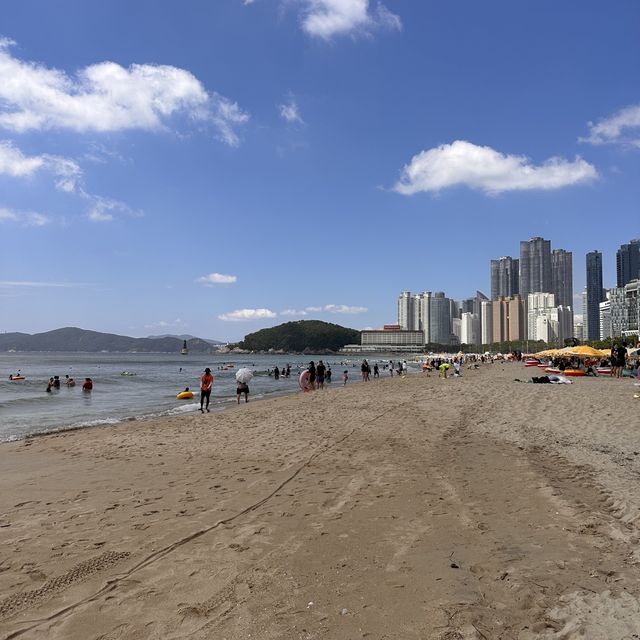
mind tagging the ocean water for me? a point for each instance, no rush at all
(26, 408)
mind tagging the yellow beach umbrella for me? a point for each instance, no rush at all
(583, 351)
(548, 353)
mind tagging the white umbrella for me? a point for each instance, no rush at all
(244, 375)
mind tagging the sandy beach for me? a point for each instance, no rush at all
(412, 508)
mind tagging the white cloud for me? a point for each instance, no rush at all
(240, 315)
(328, 18)
(290, 112)
(30, 283)
(621, 128)
(217, 278)
(28, 219)
(14, 163)
(165, 324)
(327, 308)
(106, 209)
(484, 168)
(293, 312)
(106, 97)
(343, 308)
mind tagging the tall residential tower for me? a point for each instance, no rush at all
(505, 277)
(594, 295)
(535, 266)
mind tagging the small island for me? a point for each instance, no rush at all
(303, 336)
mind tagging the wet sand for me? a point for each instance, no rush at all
(411, 508)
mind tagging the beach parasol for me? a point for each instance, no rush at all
(583, 351)
(244, 375)
(548, 353)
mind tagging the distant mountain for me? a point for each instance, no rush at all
(312, 336)
(74, 339)
(186, 336)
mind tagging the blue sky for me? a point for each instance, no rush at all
(217, 167)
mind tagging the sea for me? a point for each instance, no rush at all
(136, 386)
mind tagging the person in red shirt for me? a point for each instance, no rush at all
(206, 384)
(88, 384)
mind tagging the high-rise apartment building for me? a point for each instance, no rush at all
(505, 277)
(535, 266)
(508, 319)
(423, 303)
(539, 305)
(405, 311)
(486, 321)
(595, 294)
(628, 262)
(440, 320)
(562, 277)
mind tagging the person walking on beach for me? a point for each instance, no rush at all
(327, 375)
(320, 371)
(391, 368)
(206, 384)
(345, 377)
(243, 387)
(364, 369)
(312, 375)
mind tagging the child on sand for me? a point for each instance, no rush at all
(345, 377)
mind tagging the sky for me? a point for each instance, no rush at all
(216, 167)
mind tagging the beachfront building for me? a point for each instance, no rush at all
(386, 340)
(605, 320)
(486, 322)
(562, 277)
(440, 326)
(578, 331)
(632, 296)
(535, 266)
(595, 294)
(505, 276)
(508, 319)
(628, 263)
(422, 314)
(469, 328)
(548, 321)
(405, 311)
(618, 314)
(539, 305)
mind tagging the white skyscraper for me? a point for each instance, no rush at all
(486, 321)
(405, 311)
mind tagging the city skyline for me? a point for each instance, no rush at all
(217, 168)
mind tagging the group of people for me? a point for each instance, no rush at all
(285, 372)
(400, 368)
(618, 359)
(55, 383)
(206, 385)
(318, 374)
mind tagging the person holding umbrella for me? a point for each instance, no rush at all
(242, 377)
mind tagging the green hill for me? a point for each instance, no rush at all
(74, 339)
(312, 336)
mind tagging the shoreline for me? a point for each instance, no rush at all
(337, 514)
(222, 406)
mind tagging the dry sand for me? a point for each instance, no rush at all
(421, 508)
